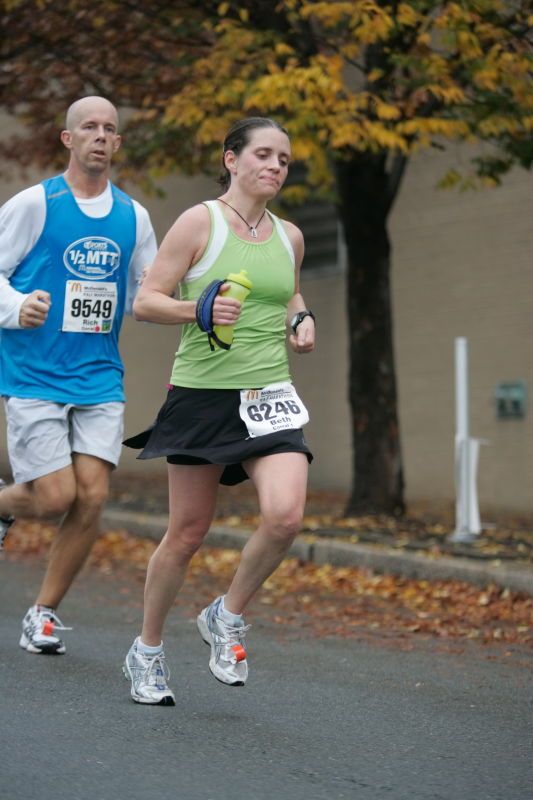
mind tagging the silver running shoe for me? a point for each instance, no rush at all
(228, 655)
(38, 632)
(5, 522)
(148, 676)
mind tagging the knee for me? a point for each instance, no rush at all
(183, 542)
(55, 501)
(283, 524)
(92, 496)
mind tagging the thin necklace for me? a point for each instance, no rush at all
(253, 228)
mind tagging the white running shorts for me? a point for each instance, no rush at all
(41, 436)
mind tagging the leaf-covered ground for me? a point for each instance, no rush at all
(424, 529)
(326, 600)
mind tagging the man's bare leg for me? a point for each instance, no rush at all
(79, 529)
(48, 497)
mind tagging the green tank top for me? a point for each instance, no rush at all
(258, 355)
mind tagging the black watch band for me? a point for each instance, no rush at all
(299, 316)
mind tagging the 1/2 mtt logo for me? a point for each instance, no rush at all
(92, 257)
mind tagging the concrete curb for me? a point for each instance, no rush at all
(516, 577)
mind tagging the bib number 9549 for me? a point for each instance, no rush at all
(89, 306)
(86, 308)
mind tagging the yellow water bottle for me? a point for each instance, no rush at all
(240, 286)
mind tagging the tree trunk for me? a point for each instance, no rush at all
(365, 200)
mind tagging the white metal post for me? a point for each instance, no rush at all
(466, 511)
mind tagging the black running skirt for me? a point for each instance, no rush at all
(203, 426)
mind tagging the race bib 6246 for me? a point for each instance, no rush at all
(275, 408)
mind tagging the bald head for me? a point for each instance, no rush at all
(92, 137)
(87, 106)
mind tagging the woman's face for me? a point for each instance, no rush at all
(261, 167)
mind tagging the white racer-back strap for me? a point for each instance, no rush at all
(217, 240)
(218, 237)
(282, 233)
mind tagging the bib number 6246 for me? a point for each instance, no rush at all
(271, 411)
(275, 408)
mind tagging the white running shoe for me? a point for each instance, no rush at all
(228, 655)
(148, 676)
(5, 522)
(38, 631)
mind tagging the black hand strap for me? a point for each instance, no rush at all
(204, 313)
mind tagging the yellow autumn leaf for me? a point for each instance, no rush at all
(486, 79)
(450, 179)
(387, 111)
(469, 44)
(448, 94)
(407, 15)
(330, 14)
(375, 74)
(424, 38)
(377, 134)
(497, 125)
(295, 195)
(283, 49)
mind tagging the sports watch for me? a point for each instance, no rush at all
(301, 315)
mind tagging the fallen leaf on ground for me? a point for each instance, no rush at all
(340, 601)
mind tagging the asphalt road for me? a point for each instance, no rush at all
(319, 719)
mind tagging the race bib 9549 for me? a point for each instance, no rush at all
(89, 306)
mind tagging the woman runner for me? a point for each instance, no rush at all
(230, 414)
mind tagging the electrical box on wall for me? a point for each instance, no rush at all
(510, 399)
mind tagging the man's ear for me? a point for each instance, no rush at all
(66, 138)
(117, 143)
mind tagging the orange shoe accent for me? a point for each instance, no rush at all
(48, 628)
(240, 652)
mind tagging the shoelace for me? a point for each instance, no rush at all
(233, 634)
(149, 663)
(231, 638)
